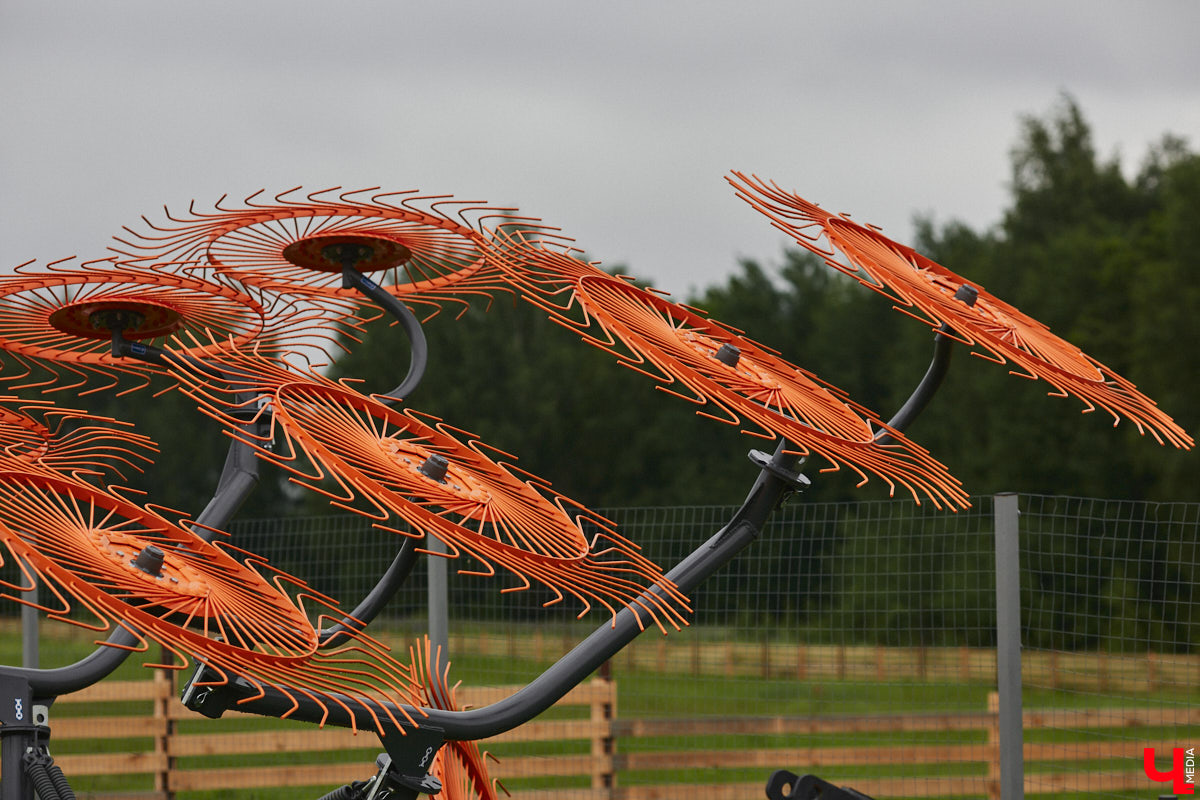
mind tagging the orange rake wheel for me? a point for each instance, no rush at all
(936, 293)
(38, 434)
(421, 249)
(741, 379)
(418, 470)
(101, 538)
(125, 565)
(414, 467)
(63, 319)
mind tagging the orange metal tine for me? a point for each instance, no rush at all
(486, 510)
(544, 269)
(308, 330)
(916, 282)
(462, 770)
(82, 544)
(38, 434)
(460, 765)
(58, 318)
(97, 535)
(481, 509)
(730, 377)
(426, 250)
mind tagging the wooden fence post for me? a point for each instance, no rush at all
(993, 745)
(604, 748)
(164, 685)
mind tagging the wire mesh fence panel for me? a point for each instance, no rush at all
(851, 640)
(1111, 627)
(854, 641)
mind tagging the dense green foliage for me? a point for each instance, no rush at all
(1108, 262)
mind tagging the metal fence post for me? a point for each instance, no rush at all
(29, 631)
(439, 602)
(1008, 647)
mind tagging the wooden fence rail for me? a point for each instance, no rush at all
(146, 714)
(1049, 765)
(1099, 671)
(159, 738)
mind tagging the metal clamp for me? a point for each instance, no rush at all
(768, 462)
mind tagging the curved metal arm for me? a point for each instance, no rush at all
(353, 279)
(83, 673)
(774, 482)
(392, 579)
(942, 343)
(239, 479)
(239, 475)
(938, 367)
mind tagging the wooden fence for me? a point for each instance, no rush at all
(1122, 673)
(176, 748)
(1050, 767)
(179, 754)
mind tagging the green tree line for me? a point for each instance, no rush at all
(1108, 258)
(1108, 262)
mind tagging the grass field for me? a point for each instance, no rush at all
(644, 693)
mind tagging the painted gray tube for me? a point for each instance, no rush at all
(517, 709)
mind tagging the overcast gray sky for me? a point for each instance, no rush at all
(614, 120)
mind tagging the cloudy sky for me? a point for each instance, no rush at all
(613, 120)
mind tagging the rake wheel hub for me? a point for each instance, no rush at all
(135, 318)
(731, 357)
(332, 253)
(454, 481)
(126, 549)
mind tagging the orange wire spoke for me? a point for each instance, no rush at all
(382, 460)
(732, 378)
(36, 433)
(460, 765)
(90, 547)
(97, 536)
(63, 317)
(917, 282)
(422, 249)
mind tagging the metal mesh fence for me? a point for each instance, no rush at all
(1111, 632)
(874, 619)
(855, 641)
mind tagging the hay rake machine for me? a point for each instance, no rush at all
(236, 306)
